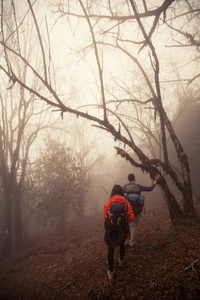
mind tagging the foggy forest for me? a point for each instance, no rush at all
(91, 91)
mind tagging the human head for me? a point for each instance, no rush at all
(131, 177)
(117, 190)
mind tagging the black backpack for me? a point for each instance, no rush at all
(137, 202)
(117, 225)
(133, 196)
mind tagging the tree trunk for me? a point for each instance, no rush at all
(7, 227)
(18, 239)
(175, 212)
(188, 203)
(62, 223)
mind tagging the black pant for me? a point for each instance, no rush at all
(111, 253)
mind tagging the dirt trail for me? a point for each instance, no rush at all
(164, 264)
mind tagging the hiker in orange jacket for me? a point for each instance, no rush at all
(117, 197)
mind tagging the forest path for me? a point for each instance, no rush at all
(164, 264)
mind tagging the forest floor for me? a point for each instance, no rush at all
(164, 264)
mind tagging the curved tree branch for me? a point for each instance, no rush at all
(98, 61)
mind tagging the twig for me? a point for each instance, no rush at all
(67, 285)
(105, 190)
(191, 265)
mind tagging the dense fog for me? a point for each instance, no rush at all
(89, 94)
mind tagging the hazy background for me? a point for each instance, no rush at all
(64, 166)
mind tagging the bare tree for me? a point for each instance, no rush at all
(126, 30)
(22, 118)
(17, 134)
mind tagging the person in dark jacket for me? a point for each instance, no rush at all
(129, 188)
(117, 195)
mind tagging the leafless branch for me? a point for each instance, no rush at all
(190, 266)
(40, 40)
(195, 77)
(98, 61)
(159, 106)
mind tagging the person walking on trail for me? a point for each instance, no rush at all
(117, 214)
(132, 189)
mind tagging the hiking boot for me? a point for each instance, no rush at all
(110, 274)
(121, 262)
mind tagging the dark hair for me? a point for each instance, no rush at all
(117, 190)
(131, 177)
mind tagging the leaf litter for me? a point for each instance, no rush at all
(163, 264)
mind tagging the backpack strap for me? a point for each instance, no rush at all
(119, 218)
